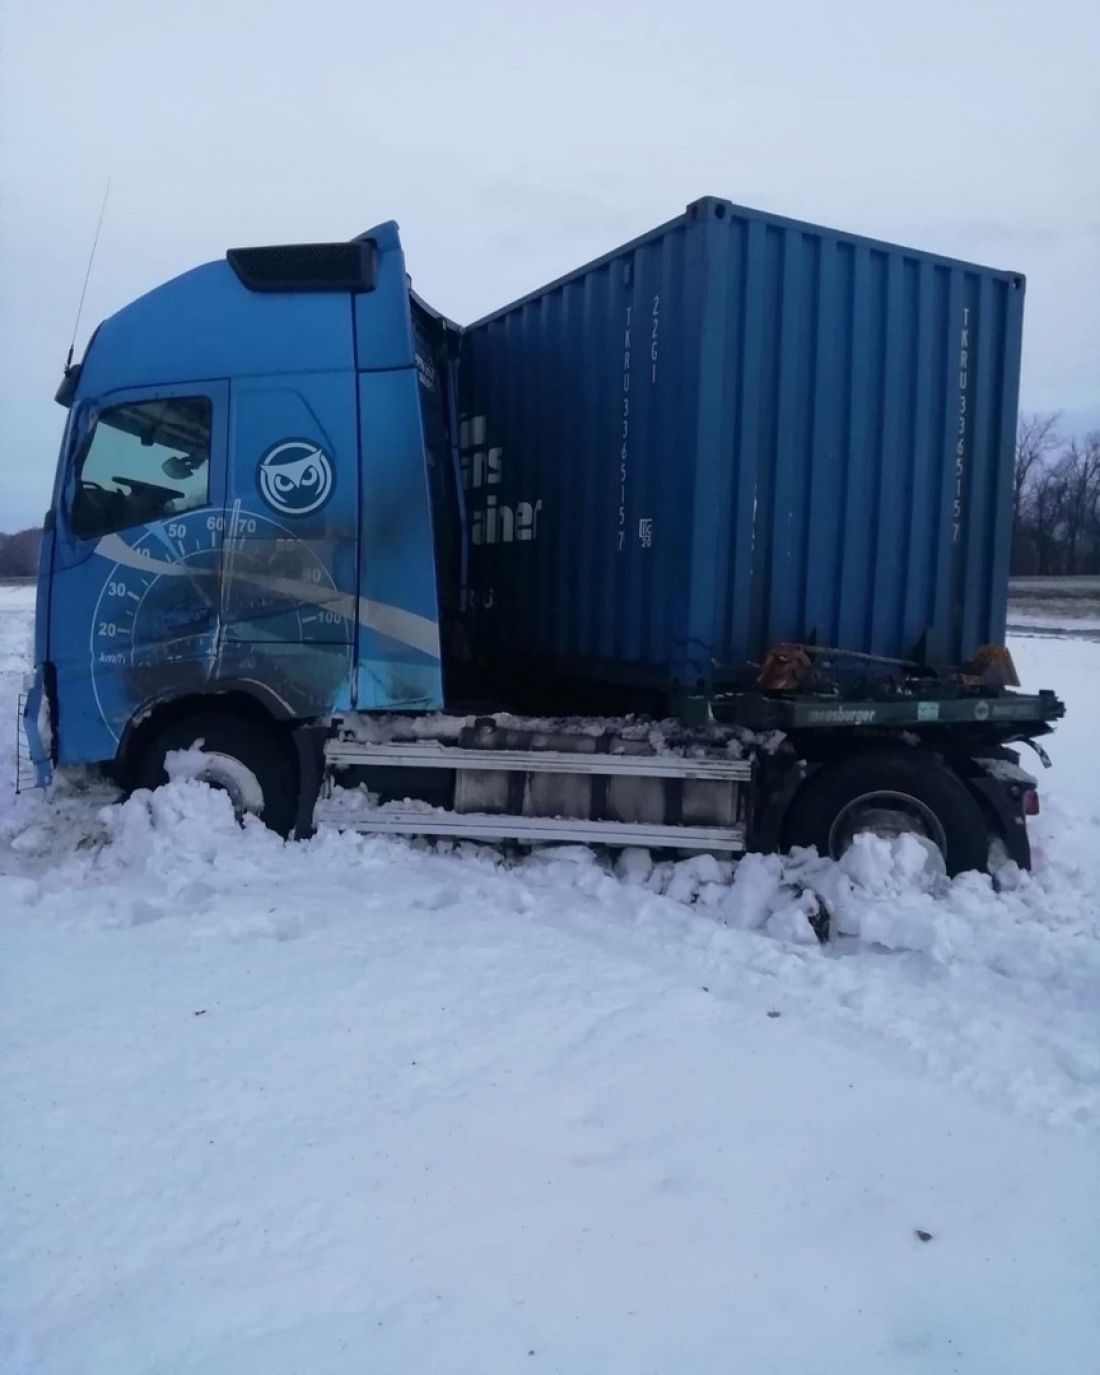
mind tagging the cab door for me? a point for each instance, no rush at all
(135, 588)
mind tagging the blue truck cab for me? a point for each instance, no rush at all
(243, 505)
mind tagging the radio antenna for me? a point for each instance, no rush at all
(88, 273)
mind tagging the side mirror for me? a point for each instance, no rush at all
(181, 466)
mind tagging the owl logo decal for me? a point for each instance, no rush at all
(295, 477)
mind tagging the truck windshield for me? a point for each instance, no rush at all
(143, 461)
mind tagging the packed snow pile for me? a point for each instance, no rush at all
(1019, 954)
(371, 1104)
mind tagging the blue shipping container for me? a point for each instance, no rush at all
(739, 430)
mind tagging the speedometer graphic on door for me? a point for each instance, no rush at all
(204, 599)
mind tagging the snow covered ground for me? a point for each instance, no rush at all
(363, 1105)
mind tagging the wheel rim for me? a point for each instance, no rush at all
(231, 776)
(889, 815)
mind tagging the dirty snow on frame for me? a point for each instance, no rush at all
(371, 1105)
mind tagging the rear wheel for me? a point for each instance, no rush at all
(891, 793)
(250, 763)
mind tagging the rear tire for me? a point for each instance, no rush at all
(252, 764)
(890, 792)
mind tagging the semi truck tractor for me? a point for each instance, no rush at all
(703, 546)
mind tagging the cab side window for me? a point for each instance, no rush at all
(143, 461)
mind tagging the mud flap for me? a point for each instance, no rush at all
(1009, 814)
(309, 743)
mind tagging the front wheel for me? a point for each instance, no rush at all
(253, 765)
(891, 793)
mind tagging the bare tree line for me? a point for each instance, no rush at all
(1055, 500)
(19, 554)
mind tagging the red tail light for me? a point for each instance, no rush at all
(1031, 802)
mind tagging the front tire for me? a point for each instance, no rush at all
(251, 763)
(891, 792)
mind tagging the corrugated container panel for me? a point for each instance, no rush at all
(739, 430)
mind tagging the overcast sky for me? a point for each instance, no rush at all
(514, 141)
